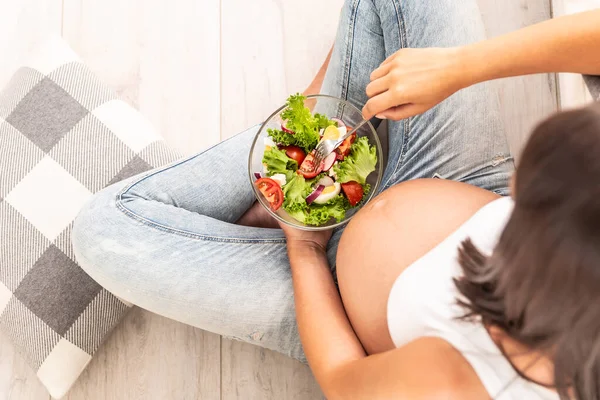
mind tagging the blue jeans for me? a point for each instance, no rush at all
(166, 240)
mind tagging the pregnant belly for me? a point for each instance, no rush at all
(384, 238)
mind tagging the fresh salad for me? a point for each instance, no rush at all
(313, 194)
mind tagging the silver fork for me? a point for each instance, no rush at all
(326, 147)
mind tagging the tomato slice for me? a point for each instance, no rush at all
(344, 149)
(354, 192)
(272, 192)
(295, 153)
(308, 169)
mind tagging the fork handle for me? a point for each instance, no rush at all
(348, 134)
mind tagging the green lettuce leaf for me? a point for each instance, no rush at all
(303, 123)
(281, 137)
(323, 122)
(334, 208)
(295, 192)
(294, 197)
(297, 212)
(358, 164)
(277, 162)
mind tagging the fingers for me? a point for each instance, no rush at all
(381, 71)
(402, 112)
(380, 103)
(390, 59)
(378, 86)
(385, 67)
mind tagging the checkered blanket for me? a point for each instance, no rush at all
(63, 136)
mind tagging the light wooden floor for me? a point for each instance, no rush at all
(202, 70)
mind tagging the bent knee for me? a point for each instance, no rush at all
(95, 224)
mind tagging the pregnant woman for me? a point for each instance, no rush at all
(446, 289)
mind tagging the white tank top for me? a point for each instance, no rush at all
(422, 303)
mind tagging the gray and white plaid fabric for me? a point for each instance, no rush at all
(63, 136)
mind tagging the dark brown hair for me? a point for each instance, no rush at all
(541, 285)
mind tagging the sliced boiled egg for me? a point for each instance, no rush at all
(279, 178)
(269, 143)
(328, 193)
(332, 132)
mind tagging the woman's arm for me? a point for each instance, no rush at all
(411, 81)
(424, 369)
(327, 336)
(566, 44)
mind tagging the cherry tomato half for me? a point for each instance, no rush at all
(272, 192)
(295, 153)
(353, 191)
(308, 169)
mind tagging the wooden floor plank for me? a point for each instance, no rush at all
(257, 74)
(252, 373)
(149, 357)
(269, 49)
(161, 56)
(23, 23)
(18, 381)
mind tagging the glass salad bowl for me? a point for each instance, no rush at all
(328, 192)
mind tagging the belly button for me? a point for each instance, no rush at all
(375, 204)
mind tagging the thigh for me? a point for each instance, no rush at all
(359, 49)
(463, 137)
(460, 139)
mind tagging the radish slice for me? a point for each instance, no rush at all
(329, 160)
(325, 181)
(339, 122)
(285, 129)
(257, 175)
(316, 193)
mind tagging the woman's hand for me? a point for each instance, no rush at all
(411, 81)
(298, 239)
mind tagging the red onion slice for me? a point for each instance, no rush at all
(257, 175)
(339, 122)
(316, 193)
